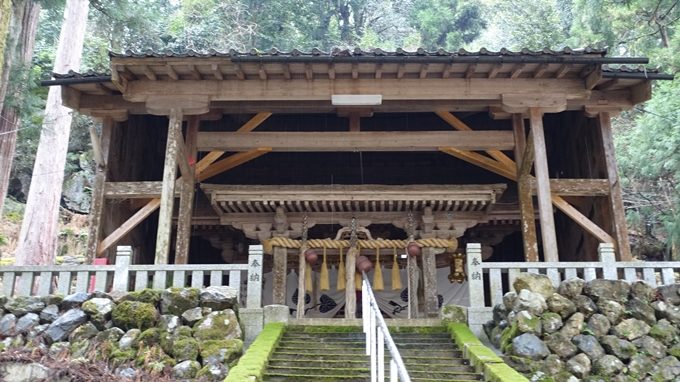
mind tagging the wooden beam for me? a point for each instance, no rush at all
(285, 68)
(576, 187)
(97, 204)
(431, 303)
(495, 70)
(133, 190)
(149, 73)
(280, 273)
(186, 201)
(262, 73)
(254, 122)
(128, 226)
(615, 197)
(167, 202)
(217, 72)
(355, 71)
(378, 71)
(526, 204)
(230, 162)
(581, 219)
(470, 71)
(183, 156)
(446, 73)
(459, 125)
(562, 71)
(593, 78)
(423, 70)
(331, 72)
(481, 161)
(528, 157)
(309, 73)
(96, 144)
(540, 70)
(238, 72)
(356, 141)
(641, 92)
(195, 74)
(517, 71)
(171, 72)
(400, 71)
(545, 209)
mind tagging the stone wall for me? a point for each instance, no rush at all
(601, 330)
(177, 333)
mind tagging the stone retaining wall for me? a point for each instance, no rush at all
(178, 332)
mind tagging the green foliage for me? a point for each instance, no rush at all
(447, 23)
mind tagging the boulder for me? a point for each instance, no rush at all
(50, 313)
(509, 300)
(561, 305)
(573, 326)
(219, 297)
(585, 305)
(178, 300)
(631, 329)
(599, 325)
(666, 369)
(608, 365)
(192, 316)
(65, 324)
(612, 310)
(552, 365)
(651, 347)
(640, 364)
(27, 322)
(222, 325)
(589, 345)
(74, 300)
(669, 312)
(185, 349)
(36, 331)
(622, 349)
(99, 310)
(169, 322)
(571, 288)
(134, 315)
(527, 323)
(129, 340)
(669, 293)
(58, 348)
(560, 345)
(665, 332)
(540, 284)
(529, 346)
(579, 365)
(552, 322)
(642, 291)
(528, 300)
(499, 313)
(7, 324)
(641, 310)
(186, 369)
(213, 372)
(454, 313)
(111, 335)
(83, 332)
(147, 295)
(24, 304)
(600, 289)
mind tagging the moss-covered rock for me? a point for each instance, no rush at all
(120, 356)
(218, 326)
(186, 369)
(184, 349)
(213, 372)
(83, 332)
(149, 296)
(133, 314)
(150, 337)
(221, 351)
(150, 357)
(454, 313)
(178, 300)
(79, 348)
(99, 310)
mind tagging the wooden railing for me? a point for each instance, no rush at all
(123, 277)
(489, 281)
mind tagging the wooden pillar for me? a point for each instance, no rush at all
(545, 208)
(526, 204)
(302, 268)
(280, 264)
(350, 287)
(102, 145)
(615, 197)
(168, 189)
(186, 201)
(430, 282)
(412, 271)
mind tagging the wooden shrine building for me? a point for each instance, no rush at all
(201, 155)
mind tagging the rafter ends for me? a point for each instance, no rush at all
(520, 103)
(497, 113)
(470, 71)
(517, 71)
(494, 70)
(540, 70)
(217, 72)
(118, 81)
(592, 79)
(562, 71)
(172, 73)
(149, 73)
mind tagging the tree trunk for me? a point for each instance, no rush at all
(19, 54)
(5, 6)
(38, 237)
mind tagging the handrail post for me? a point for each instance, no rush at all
(254, 288)
(121, 275)
(607, 256)
(475, 274)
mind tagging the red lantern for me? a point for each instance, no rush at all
(414, 249)
(364, 264)
(311, 257)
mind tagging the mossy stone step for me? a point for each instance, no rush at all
(322, 350)
(434, 362)
(440, 353)
(332, 363)
(441, 367)
(323, 329)
(346, 371)
(437, 374)
(308, 378)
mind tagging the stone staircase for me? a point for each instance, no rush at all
(309, 353)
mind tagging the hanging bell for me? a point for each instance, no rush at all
(311, 256)
(364, 264)
(414, 249)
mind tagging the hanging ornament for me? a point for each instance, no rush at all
(308, 279)
(378, 283)
(311, 257)
(324, 282)
(341, 273)
(396, 275)
(364, 264)
(457, 267)
(414, 249)
(358, 281)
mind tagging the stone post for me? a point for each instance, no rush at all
(122, 273)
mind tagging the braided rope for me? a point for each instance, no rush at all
(363, 244)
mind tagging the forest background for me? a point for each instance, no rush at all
(647, 138)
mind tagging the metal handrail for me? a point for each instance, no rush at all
(377, 335)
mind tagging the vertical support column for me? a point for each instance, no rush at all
(254, 285)
(412, 271)
(526, 204)
(350, 287)
(97, 205)
(168, 188)
(280, 269)
(615, 197)
(606, 255)
(545, 208)
(121, 275)
(302, 269)
(473, 253)
(186, 201)
(430, 282)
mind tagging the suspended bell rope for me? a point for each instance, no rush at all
(324, 282)
(341, 273)
(396, 275)
(378, 283)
